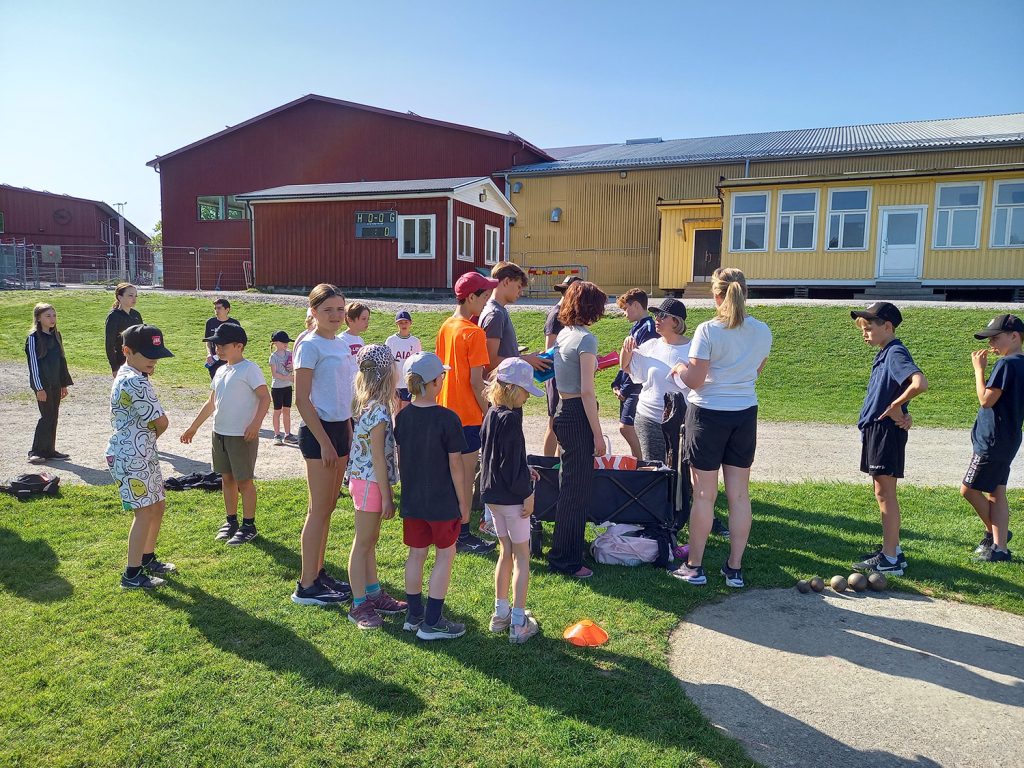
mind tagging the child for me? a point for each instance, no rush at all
(281, 387)
(634, 303)
(357, 320)
(138, 420)
(434, 497)
(372, 474)
(403, 345)
(506, 486)
(49, 378)
(996, 434)
(221, 312)
(238, 401)
(895, 380)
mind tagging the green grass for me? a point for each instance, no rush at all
(817, 371)
(220, 669)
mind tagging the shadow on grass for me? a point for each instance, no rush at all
(88, 475)
(28, 569)
(279, 649)
(184, 465)
(289, 559)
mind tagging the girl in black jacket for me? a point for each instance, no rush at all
(49, 378)
(123, 315)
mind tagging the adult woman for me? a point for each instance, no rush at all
(726, 356)
(121, 316)
(323, 394)
(576, 424)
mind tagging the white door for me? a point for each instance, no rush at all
(900, 236)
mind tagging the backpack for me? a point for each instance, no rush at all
(620, 545)
(26, 486)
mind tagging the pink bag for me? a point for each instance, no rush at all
(614, 548)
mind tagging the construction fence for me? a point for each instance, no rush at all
(616, 270)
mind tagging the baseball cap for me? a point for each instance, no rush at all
(569, 280)
(880, 310)
(426, 365)
(280, 336)
(514, 370)
(1001, 324)
(403, 315)
(228, 333)
(673, 307)
(471, 282)
(147, 340)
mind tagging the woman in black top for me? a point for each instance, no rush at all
(123, 315)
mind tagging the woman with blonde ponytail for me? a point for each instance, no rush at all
(726, 356)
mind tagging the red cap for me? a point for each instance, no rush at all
(471, 282)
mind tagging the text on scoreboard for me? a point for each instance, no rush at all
(376, 224)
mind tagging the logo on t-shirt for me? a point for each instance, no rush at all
(354, 348)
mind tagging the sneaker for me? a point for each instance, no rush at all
(36, 459)
(291, 439)
(227, 530)
(718, 528)
(412, 623)
(694, 574)
(473, 545)
(155, 566)
(335, 585)
(582, 573)
(142, 581)
(987, 541)
(877, 551)
(384, 603)
(733, 576)
(880, 563)
(442, 630)
(487, 528)
(502, 623)
(245, 534)
(58, 456)
(995, 556)
(520, 633)
(364, 616)
(316, 594)
(278, 439)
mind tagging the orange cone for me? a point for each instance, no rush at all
(585, 632)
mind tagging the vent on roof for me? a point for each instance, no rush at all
(650, 140)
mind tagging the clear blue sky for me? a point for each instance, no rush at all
(92, 92)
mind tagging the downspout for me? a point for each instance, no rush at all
(252, 239)
(508, 226)
(451, 235)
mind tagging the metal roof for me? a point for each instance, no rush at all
(359, 188)
(563, 153)
(811, 142)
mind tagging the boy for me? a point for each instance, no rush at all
(282, 376)
(403, 345)
(996, 434)
(357, 320)
(634, 303)
(434, 497)
(221, 310)
(239, 400)
(138, 420)
(496, 322)
(895, 380)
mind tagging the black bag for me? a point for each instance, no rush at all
(24, 487)
(208, 481)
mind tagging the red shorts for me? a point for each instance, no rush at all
(420, 534)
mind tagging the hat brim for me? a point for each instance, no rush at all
(988, 333)
(156, 353)
(534, 390)
(861, 314)
(654, 310)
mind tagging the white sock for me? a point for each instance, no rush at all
(501, 608)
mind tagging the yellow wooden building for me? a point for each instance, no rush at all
(905, 209)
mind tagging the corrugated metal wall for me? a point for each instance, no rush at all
(678, 225)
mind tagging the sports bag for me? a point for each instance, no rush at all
(620, 546)
(26, 486)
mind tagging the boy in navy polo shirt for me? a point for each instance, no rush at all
(634, 303)
(997, 433)
(895, 380)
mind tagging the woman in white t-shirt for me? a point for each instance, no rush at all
(726, 356)
(651, 364)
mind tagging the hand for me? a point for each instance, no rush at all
(328, 455)
(534, 475)
(906, 422)
(63, 392)
(894, 412)
(680, 369)
(628, 344)
(187, 435)
(209, 359)
(251, 432)
(41, 395)
(527, 507)
(387, 506)
(600, 449)
(538, 363)
(979, 359)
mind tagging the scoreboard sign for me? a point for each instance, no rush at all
(376, 225)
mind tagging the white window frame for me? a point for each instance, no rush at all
(465, 254)
(433, 237)
(767, 195)
(842, 214)
(814, 214)
(995, 209)
(951, 208)
(492, 255)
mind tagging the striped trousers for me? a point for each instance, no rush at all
(575, 484)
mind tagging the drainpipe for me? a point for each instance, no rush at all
(252, 239)
(508, 229)
(451, 236)
(746, 168)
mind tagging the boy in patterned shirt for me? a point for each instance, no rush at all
(138, 420)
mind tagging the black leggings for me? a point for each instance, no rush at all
(44, 441)
(575, 484)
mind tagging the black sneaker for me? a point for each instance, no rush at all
(316, 594)
(880, 564)
(58, 456)
(227, 530)
(859, 565)
(474, 545)
(733, 576)
(337, 585)
(987, 542)
(442, 630)
(245, 534)
(155, 566)
(412, 623)
(142, 581)
(718, 528)
(995, 556)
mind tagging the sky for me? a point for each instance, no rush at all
(93, 92)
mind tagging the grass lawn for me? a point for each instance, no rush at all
(817, 371)
(220, 669)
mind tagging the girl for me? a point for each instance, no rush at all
(49, 378)
(281, 373)
(323, 394)
(372, 474)
(123, 315)
(506, 486)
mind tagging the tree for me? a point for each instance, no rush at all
(156, 240)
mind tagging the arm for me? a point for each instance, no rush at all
(694, 373)
(112, 340)
(204, 413)
(303, 387)
(549, 340)
(626, 353)
(380, 470)
(253, 430)
(588, 366)
(34, 380)
(987, 396)
(918, 384)
(459, 479)
(492, 353)
(476, 378)
(160, 424)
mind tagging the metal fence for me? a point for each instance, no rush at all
(614, 269)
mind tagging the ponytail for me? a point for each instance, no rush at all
(119, 292)
(731, 285)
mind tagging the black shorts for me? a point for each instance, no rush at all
(472, 435)
(713, 438)
(552, 393)
(339, 432)
(883, 449)
(985, 474)
(282, 397)
(627, 406)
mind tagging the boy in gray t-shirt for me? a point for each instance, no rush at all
(281, 375)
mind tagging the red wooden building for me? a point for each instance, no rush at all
(312, 140)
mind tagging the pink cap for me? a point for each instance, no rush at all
(471, 282)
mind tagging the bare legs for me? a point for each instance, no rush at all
(145, 528)
(232, 490)
(440, 574)
(889, 505)
(324, 485)
(362, 560)
(994, 511)
(705, 490)
(513, 570)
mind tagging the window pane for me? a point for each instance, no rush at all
(784, 232)
(833, 231)
(853, 230)
(942, 229)
(856, 200)
(803, 231)
(462, 239)
(210, 207)
(1017, 226)
(798, 201)
(1011, 194)
(425, 239)
(950, 196)
(751, 204)
(964, 226)
(737, 226)
(409, 236)
(754, 240)
(901, 228)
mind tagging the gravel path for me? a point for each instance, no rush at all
(847, 681)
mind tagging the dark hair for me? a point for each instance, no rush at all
(355, 309)
(322, 293)
(475, 293)
(119, 292)
(583, 304)
(223, 302)
(633, 294)
(507, 270)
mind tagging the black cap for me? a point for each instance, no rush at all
(280, 336)
(673, 307)
(228, 333)
(1001, 324)
(569, 280)
(880, 310)
(146, 340)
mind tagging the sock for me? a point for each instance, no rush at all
(501, 608)
(890, 560)
(464, 530)
(233, 519)
(131, 573)
(518, 616)
(434, 606)
(148, 558)
(372, 590)
(249, 520)
(415, 604)
(357, 601)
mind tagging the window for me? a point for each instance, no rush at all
(236, 208)
(492, 244)
(749, 221)
(417, 240)
(464, 239)
(220, 207)
(848, 219)
(957, 215)
(1, 222)
(1008, 215)
(798, 220)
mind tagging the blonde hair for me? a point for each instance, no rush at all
(37, 310)
(119, 292)
(415, 384)
(730, 284)
(371, 390)
(503, 393)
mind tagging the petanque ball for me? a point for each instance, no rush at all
(838, 583)
(803, 586)
(858, 582)
(878, 582)
(817, 584)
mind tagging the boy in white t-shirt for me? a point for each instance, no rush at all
(357, 320)
(239, 401)
(403, 345)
